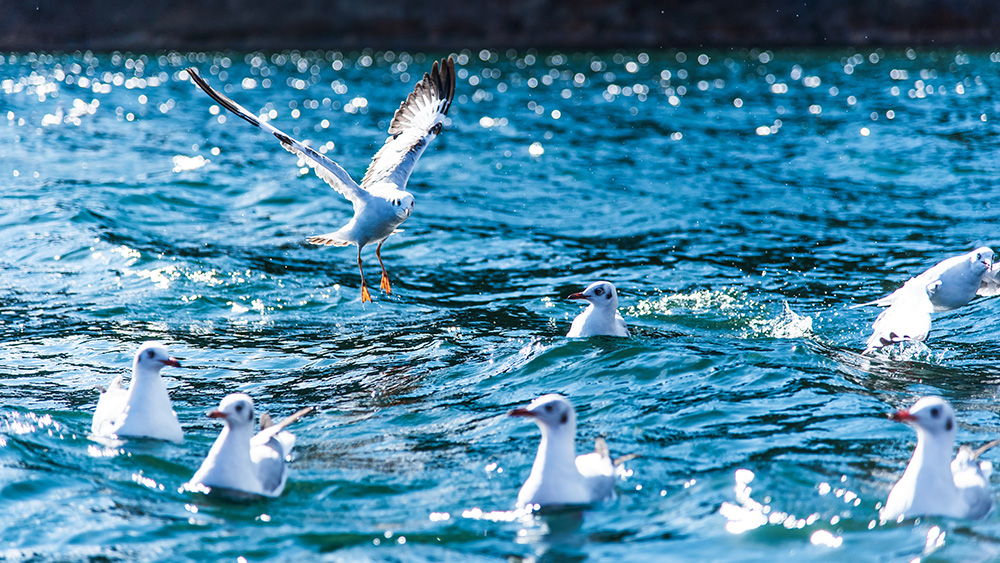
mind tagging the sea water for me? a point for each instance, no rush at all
(740, 200)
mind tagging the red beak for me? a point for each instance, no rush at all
(171, 362)
(902, 416)
(576, 296)
(216, 414)
(521, 412)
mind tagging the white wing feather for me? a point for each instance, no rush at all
(109, 406)
(908, 319)
(415, 124)
(331, 172)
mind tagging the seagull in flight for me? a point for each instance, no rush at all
(559, 477)
(241, 460)
(948, 285)
(381, 202)
(601, 316)
(933, 484)
(144, 410)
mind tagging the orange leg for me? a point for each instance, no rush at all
(365, 296)
(385, 277)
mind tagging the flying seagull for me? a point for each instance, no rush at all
(948, 285)
(381, 202)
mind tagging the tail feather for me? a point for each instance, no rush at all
(329, 239)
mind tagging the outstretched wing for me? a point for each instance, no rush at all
(907, 319)
(990, 285)
(328, 170)
(417, 121)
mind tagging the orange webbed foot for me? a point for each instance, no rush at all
(365, 296)
(385, 284)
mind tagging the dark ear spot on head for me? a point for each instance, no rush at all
(564, 418)
(948, 425)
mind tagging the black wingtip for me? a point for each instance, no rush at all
(219, 97)
(445, 81)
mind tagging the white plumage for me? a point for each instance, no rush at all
(558, 476)
(933, 484)
(242, 461)
(948, 285)
(601, 316)
(381, 202)
(144, 409)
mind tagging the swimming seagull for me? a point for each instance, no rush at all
(559, 476)
(381, 202)
(144, 410)
(242, 461)
(933, 484)
(601, 316)
(948, 285)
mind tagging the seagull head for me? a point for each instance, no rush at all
(151, 357)
(982, 258)
(236, 410)
(402, 202)
(931, 415)
(600, 294)
(551, 412)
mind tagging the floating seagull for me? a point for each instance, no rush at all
(559, 476)
(381, 202)
(601, 316)
(242, 461)
(144, 410)
(932, 484)
(948, 285)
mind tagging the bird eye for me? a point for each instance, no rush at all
(548, 408)
(599, 291)
(935, 412)
(150, 353)
(239, 408)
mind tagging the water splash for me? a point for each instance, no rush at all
(787, 325)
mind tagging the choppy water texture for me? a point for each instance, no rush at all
(712, 188)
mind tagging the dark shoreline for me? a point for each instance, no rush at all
(47, 25)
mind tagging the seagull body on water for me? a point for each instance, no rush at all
(381, 202)
(948, 285)
(242, 461)
(601, 315)
(933, 484)
(558, 476)
(144, 409)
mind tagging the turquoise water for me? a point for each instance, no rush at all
(713, 188)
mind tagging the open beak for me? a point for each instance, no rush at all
(902, 416)
(521, 412)
(172, 362)
(216, 414)
(576, 296)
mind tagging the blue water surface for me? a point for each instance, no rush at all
(740, 200)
